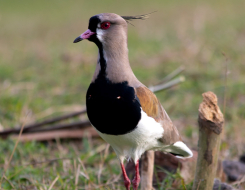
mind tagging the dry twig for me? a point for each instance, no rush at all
(6, 168)
(53, 182)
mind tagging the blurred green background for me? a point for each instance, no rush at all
(44, 74)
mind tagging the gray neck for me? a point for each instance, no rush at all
(113, 62)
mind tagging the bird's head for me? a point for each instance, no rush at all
(104, 28)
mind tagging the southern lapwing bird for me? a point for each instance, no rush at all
(125, 112)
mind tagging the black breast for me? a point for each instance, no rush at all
(112, 108)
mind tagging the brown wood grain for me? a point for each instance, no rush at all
(211, 123)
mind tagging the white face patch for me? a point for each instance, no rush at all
(100, 34)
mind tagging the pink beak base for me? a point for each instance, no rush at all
(84, 36)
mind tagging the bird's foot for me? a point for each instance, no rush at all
(136, 182)
(127, 183)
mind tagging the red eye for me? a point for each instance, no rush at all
(105, 25)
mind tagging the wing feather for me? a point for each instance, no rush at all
(152, 107)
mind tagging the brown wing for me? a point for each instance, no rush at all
(152, 107)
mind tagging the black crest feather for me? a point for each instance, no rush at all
(141, 17)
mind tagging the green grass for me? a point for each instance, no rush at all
(38, 164)
(44, 74)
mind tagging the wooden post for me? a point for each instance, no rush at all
(211, 123)
(147, 168)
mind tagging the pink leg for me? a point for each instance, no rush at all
(136, 180)
(126, 179)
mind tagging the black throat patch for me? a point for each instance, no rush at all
(112, 108)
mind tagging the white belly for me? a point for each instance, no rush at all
(134, 144)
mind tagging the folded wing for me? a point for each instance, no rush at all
(171, 138)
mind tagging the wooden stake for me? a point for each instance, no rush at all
(211, 123)
(147, 167)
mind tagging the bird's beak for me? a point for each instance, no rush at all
(84, 36)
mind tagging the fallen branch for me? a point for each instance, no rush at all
(173, 74)
(37, 125)
(57, 134)
(75, 125)
(169, 84)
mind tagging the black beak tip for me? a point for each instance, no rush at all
(78, 39)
